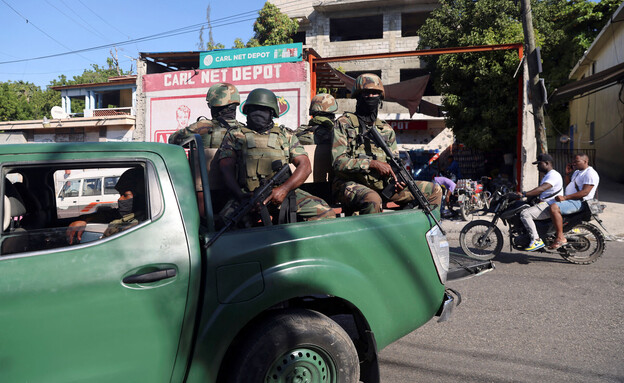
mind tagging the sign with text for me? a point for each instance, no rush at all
(408, 125)
(175, 100)
(271, 54)
(257, 75)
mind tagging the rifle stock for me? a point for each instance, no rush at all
(259, 195)
(402, 175)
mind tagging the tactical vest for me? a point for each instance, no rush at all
(360, 147)
(259, 152)
(318, 131)
(212, 132)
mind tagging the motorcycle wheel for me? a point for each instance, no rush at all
(474, 243)
(465, 210)
(586, 243)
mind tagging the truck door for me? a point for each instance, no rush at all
(107, 309)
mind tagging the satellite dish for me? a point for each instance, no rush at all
(58, 113)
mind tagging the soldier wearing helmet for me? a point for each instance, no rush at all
(252, 149)
(320, 128)
(361, 169)
(222, 99)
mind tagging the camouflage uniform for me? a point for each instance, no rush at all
(320, 128)
(355, 185)
(255, 153)
(212, 131)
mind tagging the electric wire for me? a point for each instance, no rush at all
(86, 28)
(40, 30)
(237, 18)
(103, 19)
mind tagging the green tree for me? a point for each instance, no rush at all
(569, 28)
(25, 101)
(238, 43)
(13, 105)
(479, 88)
(94, 75)
(480, 93)
(273, 27)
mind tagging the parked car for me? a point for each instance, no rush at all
(86, 190)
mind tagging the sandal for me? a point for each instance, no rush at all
(557, 244)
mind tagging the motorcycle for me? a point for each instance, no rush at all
(471, 197)
(483, 240)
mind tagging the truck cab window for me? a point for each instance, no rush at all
(56, 206)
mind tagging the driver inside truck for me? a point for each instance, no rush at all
(130, 209)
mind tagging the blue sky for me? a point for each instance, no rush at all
(60, 26)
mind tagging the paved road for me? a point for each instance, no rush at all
(535, 318)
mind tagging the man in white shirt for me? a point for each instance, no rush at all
(550, 186)
(582, 185)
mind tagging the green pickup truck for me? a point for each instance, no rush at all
(299, 302)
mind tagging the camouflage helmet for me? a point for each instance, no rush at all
(222, 94)
(367, 81)
(262, 97)
(323, 102)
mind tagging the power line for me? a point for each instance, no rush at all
(40, 30)
(75, 21)
(104, 20)
(237, 18)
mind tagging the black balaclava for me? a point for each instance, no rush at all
(227, 112)
(125, 206)
(131, 180)
(259, 118)
(367, 108)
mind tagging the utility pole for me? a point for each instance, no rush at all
(537, 100)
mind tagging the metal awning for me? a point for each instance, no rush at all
(174, 60)
(595, 82)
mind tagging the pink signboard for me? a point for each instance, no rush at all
(407, 125)
(174, 100)
(245, 75)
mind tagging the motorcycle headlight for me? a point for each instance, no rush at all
(439, 247)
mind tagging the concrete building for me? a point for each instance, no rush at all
(597, 99)
(108, 115)
(360, 27)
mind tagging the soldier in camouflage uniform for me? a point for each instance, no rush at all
(129, 213)
(321, 126)
(252, 149)
(222, 99)
(361, 168)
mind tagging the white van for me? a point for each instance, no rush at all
(84, 191)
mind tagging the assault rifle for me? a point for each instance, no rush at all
(401, 173)
(257, 199)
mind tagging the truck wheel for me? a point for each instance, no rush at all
(296, 346)
(476, 244)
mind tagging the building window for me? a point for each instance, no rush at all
(356, 28)
(408, 74)
(411, 23)
(299, 37)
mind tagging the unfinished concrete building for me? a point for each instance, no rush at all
(361, 27)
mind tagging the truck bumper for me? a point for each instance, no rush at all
(452, 298)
